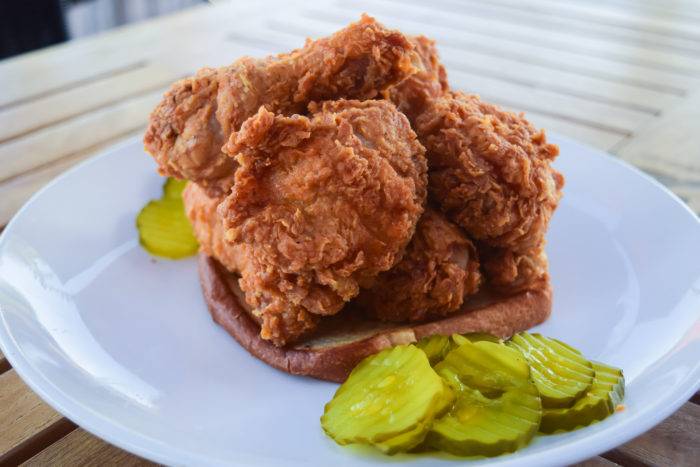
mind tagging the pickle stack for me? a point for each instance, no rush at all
(470, 395)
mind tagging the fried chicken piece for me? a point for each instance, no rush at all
(184, 136)
(490, 171)
(197, 116)
(439, 269)
(511, 272)
(288, 321)
(325, 203)
(413, 94)
(208, 226)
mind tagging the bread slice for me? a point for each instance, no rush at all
(341, 341)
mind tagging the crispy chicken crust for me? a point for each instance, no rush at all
(438, 271)
(198, 114)
(325, 204)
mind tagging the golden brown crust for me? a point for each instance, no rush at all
(197, 115)
(490, 170)
(356, 62)
(322, 204)
(184, 136)
(439, 269)
(332, 353)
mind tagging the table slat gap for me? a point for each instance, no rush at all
(23, 414)
(38, 442)
(696, 400)
(4, 362)
(74, 84)
(621, 458)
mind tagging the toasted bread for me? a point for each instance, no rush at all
(341, 341)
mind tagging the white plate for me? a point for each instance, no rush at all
(122, 344)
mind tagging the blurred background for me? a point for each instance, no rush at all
(26, 25)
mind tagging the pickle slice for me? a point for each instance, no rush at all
(497, 407)
(435, 347)
(172, 188)
(389, 400)
(459, 339)
(560, 372)
(606, 392)
(164, 229)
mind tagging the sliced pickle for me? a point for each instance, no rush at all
(459, 339)
(172, 188)
(164, 229)
(435, 347)
(389, 400)
(560, 372)
(497, 408)
(606, 392)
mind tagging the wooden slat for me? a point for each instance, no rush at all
(18, 190)
(573, 25)
(595, 462)
(39, 113)
(65, 139)
(600, 13)
(586, 45)
(669, 149)
(674, 442)
(82, 448)
(23, 415)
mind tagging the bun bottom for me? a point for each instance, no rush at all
(343, 340)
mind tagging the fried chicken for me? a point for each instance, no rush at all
(325, 203)
(198, 114)
(414, 94)
(288, 321)
(510, 272)
(439, 269)
(490, 170)
(184, 136)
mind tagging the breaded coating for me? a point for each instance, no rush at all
(201, 209)
(415, 93)
(509, 272)
(325, 203)
(184, 136)
(288, 322)
(439, 269)
(490, 171)
(197, 115)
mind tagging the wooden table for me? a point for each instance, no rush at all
(623, 76)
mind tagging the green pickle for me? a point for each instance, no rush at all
(562, 375)
(389, 401)
(435, 347)
(497, 408)
(459, 339)
(173, 188)
(164, 229)
(605, 394)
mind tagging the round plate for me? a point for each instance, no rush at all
(122, 344)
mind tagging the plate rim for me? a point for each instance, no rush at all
(157, 451)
